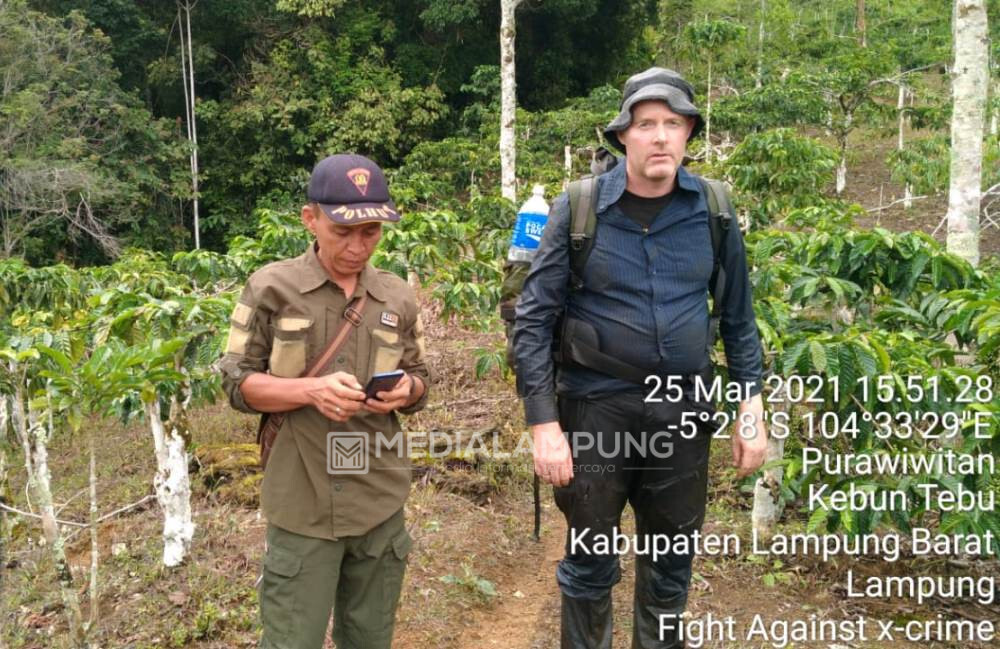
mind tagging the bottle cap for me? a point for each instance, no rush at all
(538, 190)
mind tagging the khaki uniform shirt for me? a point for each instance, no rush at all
(288, 313)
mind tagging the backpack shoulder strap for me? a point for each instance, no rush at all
(583, 224)
(720, 218)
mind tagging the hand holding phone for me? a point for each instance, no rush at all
(382, 382)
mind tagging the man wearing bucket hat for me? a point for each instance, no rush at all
(306, 335)
(618, 419)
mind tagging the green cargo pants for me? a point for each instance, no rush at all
(359, 577)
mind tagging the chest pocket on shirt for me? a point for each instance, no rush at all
(597, 273)
(387, 350)
(288, 350)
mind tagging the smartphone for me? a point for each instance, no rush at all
(382, 382)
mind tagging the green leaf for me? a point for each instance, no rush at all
(818, 356)
(790, 359)
(836, 287)
(60, 358)
(865, 360)
(847, 519)
(817, 520)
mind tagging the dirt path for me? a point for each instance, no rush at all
(527, 613)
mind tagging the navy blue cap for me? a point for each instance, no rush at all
(351, 189)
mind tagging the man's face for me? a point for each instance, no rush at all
(343, 249)
(655, 142)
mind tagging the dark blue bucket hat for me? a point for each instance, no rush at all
(655, 83)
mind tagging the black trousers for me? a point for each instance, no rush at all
(627, 450)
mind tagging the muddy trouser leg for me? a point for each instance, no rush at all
(668, 499)
(592, 504)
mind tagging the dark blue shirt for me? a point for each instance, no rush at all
(646, 293)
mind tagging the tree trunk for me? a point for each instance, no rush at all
(21, 424)
(4, 495)
(760, 45)
(173, 488)
(995, 117)
(184, 74)
(859, 24)
(970, 76)
(187, 74)
(567, 165)
(4, 416)
(767, 504)
(843, 132)
(842, 167)
(36, 435)
(94, 550)
(900, 109)
(842, 171)
(508, 100)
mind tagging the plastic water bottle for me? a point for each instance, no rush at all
(531, 219)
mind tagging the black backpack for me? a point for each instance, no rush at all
(576, 341)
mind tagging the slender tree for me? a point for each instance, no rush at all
(82, 386)
(970, 76)
(33, 425)
(900, 143)
(767, 502)
(187, 82)
(760, 44)
(711, 37)
(995, 96)
(508, 99)
(4, 486)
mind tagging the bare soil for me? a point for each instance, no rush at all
(870, 184)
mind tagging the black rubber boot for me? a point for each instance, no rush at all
(647, 631)
(586, 623)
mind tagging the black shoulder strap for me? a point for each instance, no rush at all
(583, 224)
(720, 217)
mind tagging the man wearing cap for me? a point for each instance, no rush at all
(603, 440)
(334, 538)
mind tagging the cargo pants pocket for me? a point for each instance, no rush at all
(672, 506)
(278, 592)
(393, 570)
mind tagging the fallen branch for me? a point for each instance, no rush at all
(895, 202)
(942, 222)
(896, 78)
(67, 503)
(126, 508)
(121, 510)
(14, 510)
(987, 216)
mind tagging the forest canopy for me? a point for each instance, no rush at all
(95, 149)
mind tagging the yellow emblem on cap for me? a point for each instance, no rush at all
(359, 176)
